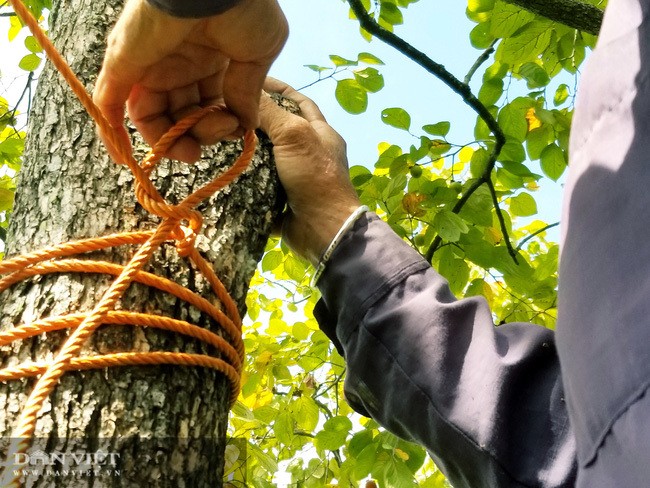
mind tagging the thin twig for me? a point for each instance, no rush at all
(502, 222)
(485, 55)
(537, 232)
(331, 75)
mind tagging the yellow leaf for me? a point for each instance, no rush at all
(264, 358)
(531, 118)
(401, 454)
(411, 203)
(465, 154)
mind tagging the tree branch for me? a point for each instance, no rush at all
(457, 86)
(537, 232)
(485, 55)
(502, 222)
(572, 13)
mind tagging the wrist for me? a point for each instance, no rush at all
(343, 230)
(310, 233)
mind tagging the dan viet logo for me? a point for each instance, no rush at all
(78, 464)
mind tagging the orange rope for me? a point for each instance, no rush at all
(82, 326)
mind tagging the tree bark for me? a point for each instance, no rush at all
(572, 13)
(165, 425)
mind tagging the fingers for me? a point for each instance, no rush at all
(276, 121)
(242, 88)
(308, 109)
(112, 90)
(154, 113)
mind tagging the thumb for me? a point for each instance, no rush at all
(242, 87)
(110, 95)
(280, 124)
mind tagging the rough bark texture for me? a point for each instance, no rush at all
(167, 424)
(579, 15)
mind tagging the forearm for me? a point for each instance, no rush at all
(485, 401)
(194, 8)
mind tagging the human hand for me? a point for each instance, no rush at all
(313, 169)
(163, 68)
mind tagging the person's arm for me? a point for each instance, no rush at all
(486, 402)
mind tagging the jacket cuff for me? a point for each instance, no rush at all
(194, 8)
(367, 263)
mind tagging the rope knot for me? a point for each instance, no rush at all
(185, 244)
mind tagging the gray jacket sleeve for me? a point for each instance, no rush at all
(487, 402)
(194, 8)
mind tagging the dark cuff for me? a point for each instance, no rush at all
(368, 262)
(194, 8)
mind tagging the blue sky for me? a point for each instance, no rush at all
(322, 27)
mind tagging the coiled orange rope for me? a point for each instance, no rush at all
(82, 326)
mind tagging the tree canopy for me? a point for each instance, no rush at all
(467, 206)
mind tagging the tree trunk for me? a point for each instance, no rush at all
(162, 425)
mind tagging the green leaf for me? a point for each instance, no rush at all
(283, 428)
(266, 461)
(368, 58)
(341, 61)
(334, 433)
(512, 118)
(512, 151)
(480, 36)
(561, 94)
(359, 442)
(359, 175)
(478, 163)
(316, 68)
(454, 269)
(388, 12)
(306, 413)
(365, 461)
(527, 43)
(295, 268)
(32, 44)
(534, 74)
(396, 117)
(537, 140)
(272, 260)
(508, 19)
(370, 79)
(553, 161)
(352, 97)
(29, 62)
(398, 475)
(571, 50)
(491, 91)
(449, 225)
(439, 129)
(523, 205)
(478, 6)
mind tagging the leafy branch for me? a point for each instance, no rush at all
(462, 89)
(572, 13)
